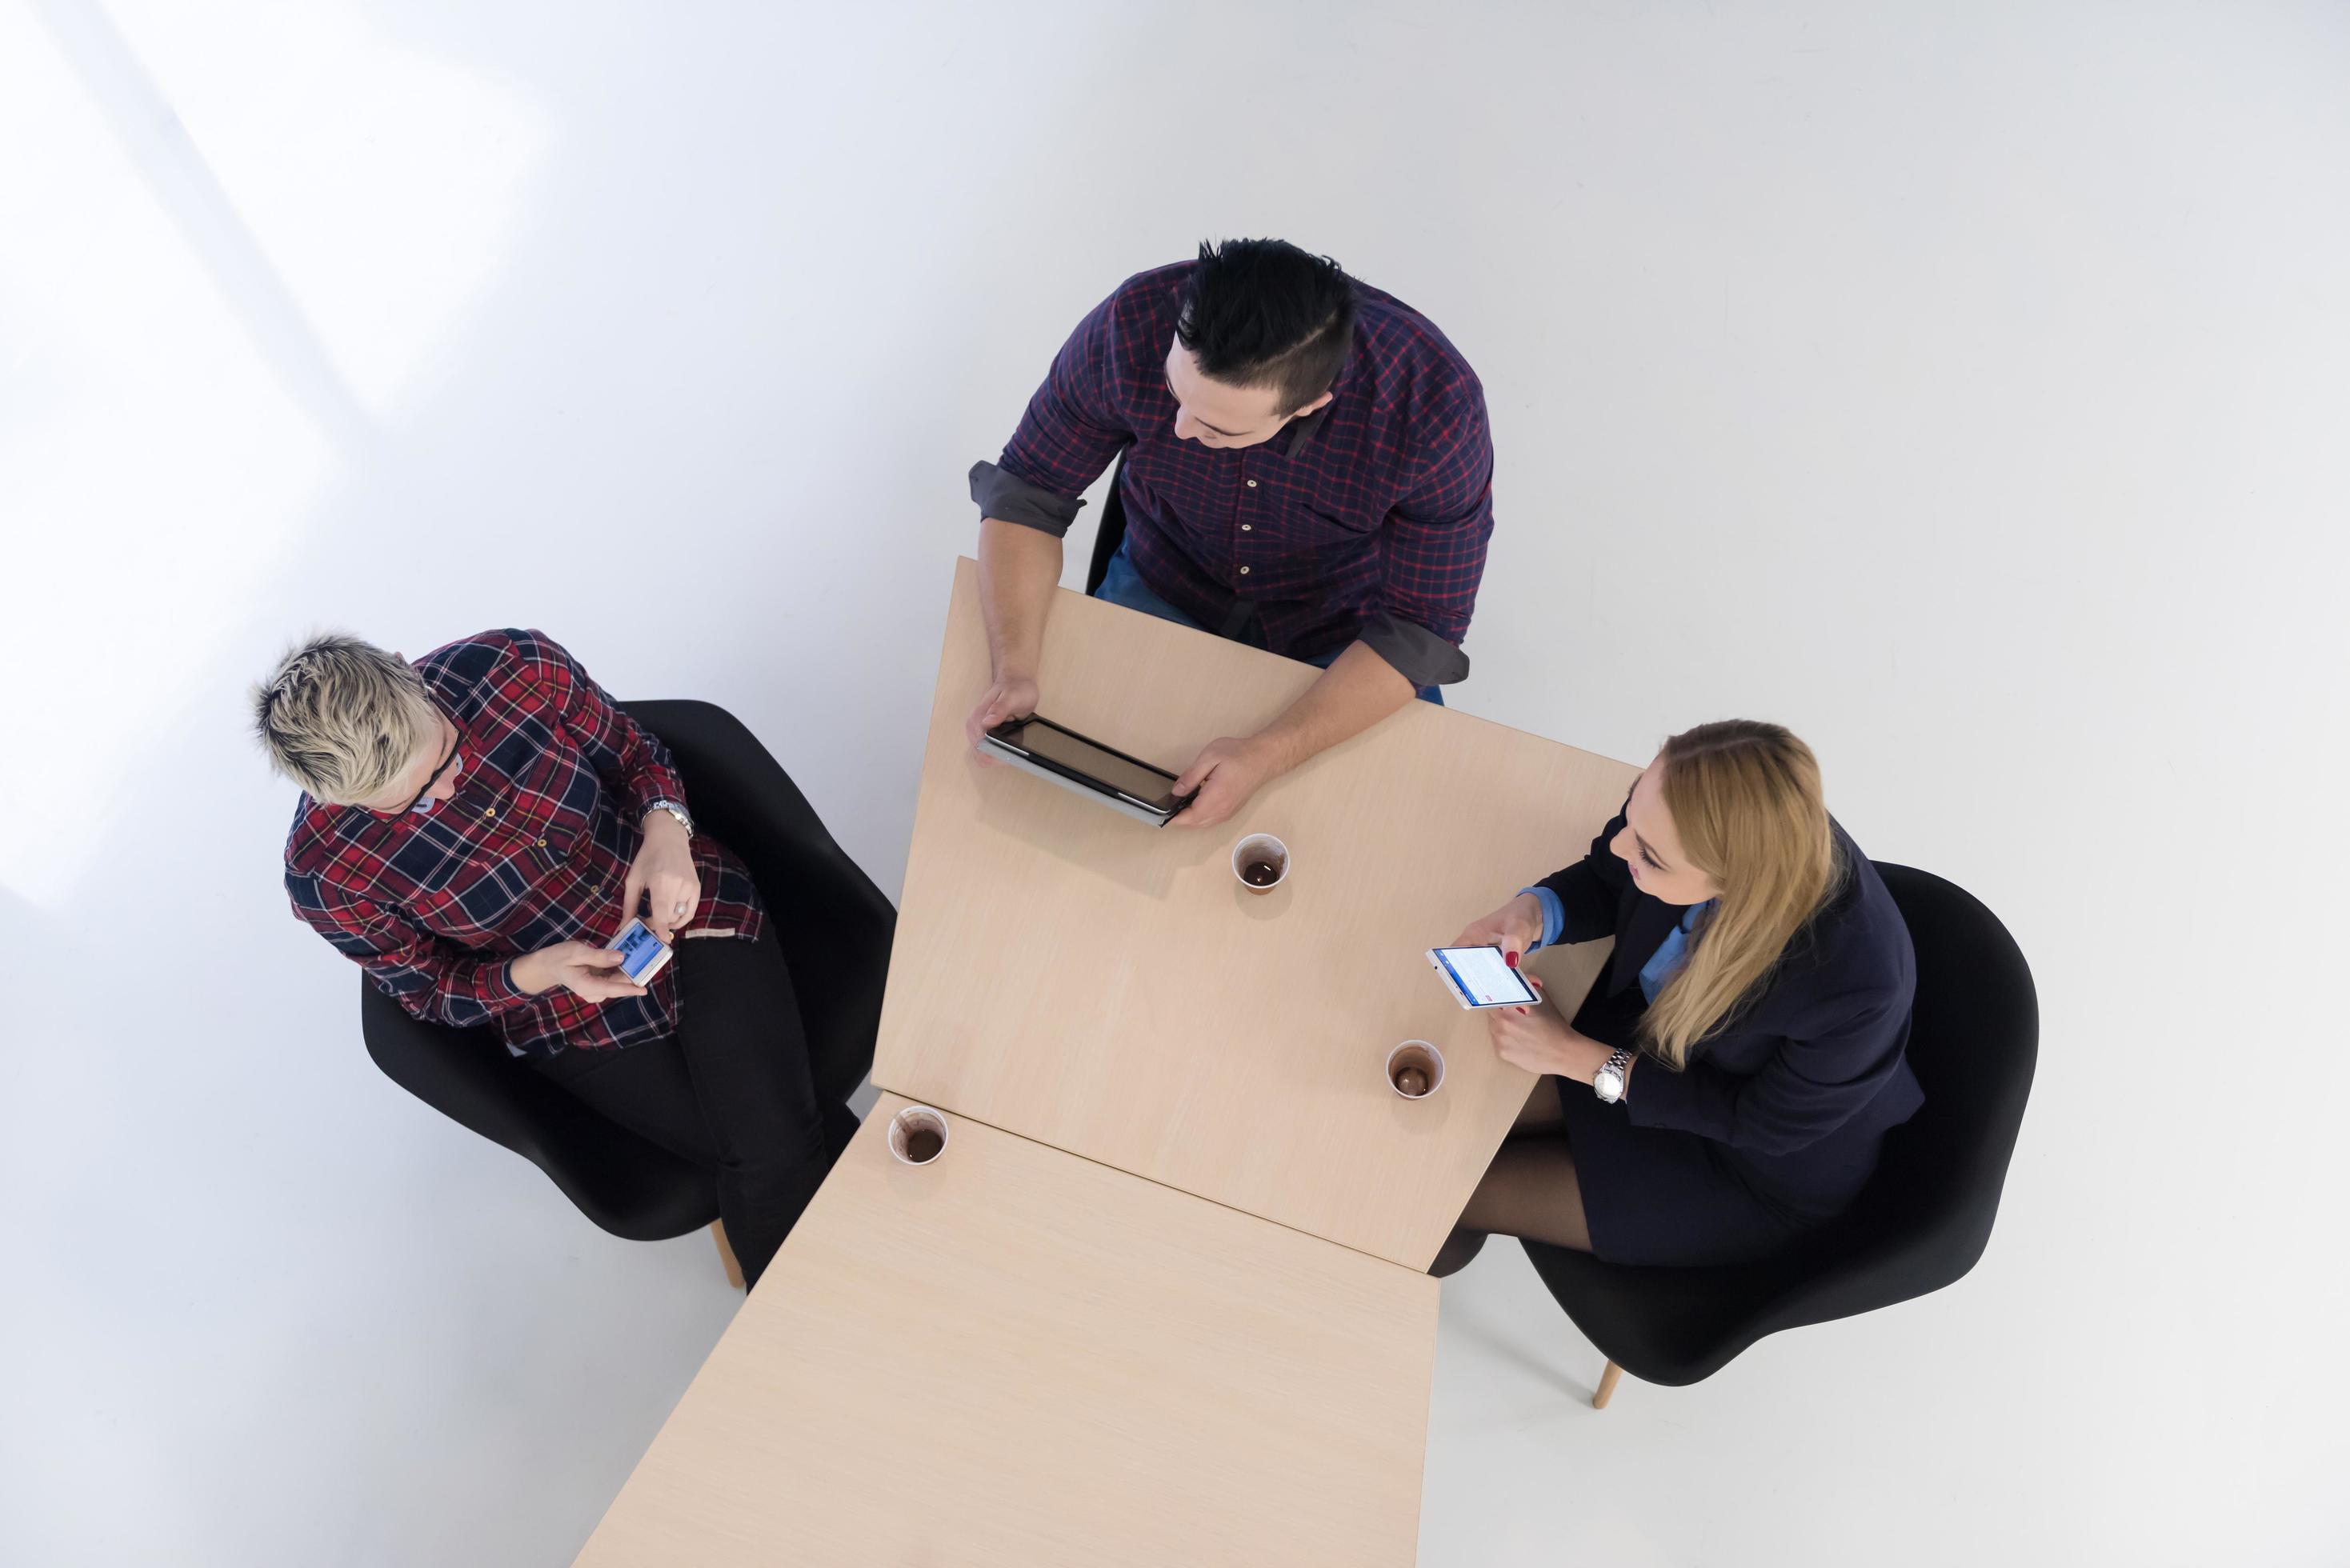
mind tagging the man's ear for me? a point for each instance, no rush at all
(1322, 401)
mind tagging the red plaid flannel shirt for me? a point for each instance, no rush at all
(533, 848)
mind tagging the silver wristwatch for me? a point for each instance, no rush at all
(1608, 1081)
(676, 811)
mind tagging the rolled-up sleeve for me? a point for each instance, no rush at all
(1068, 435)
(1000, 495)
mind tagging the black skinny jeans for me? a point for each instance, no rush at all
(734, 1090)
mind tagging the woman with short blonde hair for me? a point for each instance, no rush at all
(1726, 1085)
(476, 830)
(341, 718)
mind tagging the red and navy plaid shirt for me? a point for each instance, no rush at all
(1366, 520)
(533, 848)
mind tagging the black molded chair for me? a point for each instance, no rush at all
(835, 927)
(1110, 533)
(1926, 1215)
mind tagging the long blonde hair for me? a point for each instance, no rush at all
(1746, 800)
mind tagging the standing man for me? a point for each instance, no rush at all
(1308, 469)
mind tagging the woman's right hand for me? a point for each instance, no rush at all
(584, 969)
(1515, 928)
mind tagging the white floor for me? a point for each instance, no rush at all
(1963, 385)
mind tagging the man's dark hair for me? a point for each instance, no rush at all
(1263, 313)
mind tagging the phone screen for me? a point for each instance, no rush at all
(638, 948)
(1080, 756)
(1484, 977)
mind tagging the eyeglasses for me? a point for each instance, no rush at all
(436, 779)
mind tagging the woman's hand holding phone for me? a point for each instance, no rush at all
(663, 876)
(1515, 928)
(584, 968)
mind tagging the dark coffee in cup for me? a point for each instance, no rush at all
(917, 1135)
(1415, 1069)
(1261, 861)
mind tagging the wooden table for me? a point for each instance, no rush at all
(1015, 1356)
(1112, 989)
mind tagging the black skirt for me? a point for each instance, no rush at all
(1651, 1195)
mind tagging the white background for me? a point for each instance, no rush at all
(1967, 387)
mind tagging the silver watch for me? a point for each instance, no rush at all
(676, 811)
(1608, 1081)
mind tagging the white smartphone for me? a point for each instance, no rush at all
(642, 954)
(1482, 977)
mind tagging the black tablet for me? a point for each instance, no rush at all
(1128, 785)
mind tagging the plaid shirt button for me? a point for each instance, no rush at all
(1252, 484)
(1243, 571)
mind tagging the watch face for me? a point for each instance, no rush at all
(1609, 1083)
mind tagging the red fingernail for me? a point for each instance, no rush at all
(1510, 958)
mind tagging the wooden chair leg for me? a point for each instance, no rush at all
(1607, 1389)
(727, 1253)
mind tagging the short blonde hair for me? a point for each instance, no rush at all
(342, 718)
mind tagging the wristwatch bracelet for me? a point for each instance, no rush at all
(1608, 1081)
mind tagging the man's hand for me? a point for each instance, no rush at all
(1515, 928)
(662, 871)
(1012, 697)
(1226, 773)
(581, 967)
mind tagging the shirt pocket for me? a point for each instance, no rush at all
(556, 842)
(1326, 522)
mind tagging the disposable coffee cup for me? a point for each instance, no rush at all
(917, 1135)
(1415, 1069)
(1261, 861)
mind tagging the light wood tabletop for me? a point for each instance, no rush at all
(1112, 989)
(1015, 1356)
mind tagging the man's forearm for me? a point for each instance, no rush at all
(1356, 691)
(1019, 567)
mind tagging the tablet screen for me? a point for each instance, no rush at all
(1484, 977)
(1080, 756)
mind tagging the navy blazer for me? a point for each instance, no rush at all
(1803, 1082)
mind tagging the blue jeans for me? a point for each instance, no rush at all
(1122, 585)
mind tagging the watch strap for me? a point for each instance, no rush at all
(1615, 1064)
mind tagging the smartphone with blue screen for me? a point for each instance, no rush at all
(1482, 977)
(642, 954)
